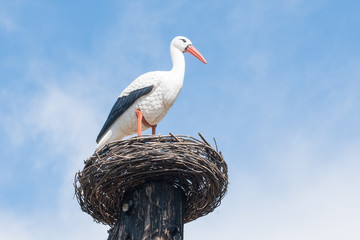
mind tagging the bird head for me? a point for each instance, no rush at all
(185, 45)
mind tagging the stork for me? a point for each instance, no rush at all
(145, 102)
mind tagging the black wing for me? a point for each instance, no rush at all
(121, 105)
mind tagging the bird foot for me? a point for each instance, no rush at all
(139, 122)
(153, 129)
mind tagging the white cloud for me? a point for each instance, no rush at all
(7, 23)
(68, 120)
(321, 202)
(62, 122)
(50, 226)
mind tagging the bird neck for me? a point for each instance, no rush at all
(178, 60)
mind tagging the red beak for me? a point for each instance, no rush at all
(193, 51)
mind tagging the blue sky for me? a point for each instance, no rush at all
(280, 94)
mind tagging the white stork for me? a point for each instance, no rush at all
(145, 102)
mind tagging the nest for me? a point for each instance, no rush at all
(185, 162)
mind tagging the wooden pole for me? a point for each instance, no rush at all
(154, 210)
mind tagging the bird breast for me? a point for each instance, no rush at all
(155, 105)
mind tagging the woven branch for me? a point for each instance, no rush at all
(186, 162)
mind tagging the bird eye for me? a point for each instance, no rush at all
(183, 40)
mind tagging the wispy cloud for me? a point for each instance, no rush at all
(6, 23)
(50, 225)
(7, 20)
(302, 199)
(60, 122)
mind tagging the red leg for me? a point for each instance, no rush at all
(153, 128)
(139, 122)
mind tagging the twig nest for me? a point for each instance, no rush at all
(185, 162)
